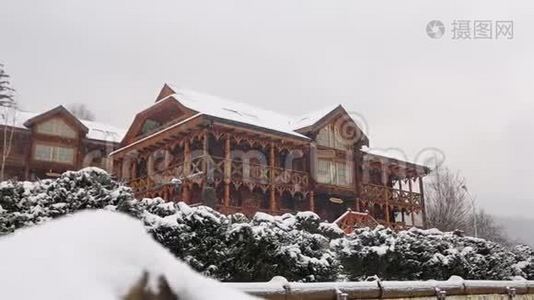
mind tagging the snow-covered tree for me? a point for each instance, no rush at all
(7, 118)
(447, 206)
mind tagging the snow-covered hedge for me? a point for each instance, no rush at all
(299, 247)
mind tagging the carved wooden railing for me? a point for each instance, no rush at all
(254, 174)
(157, 179)
(250, 174)
(394, 197)
(250, 211)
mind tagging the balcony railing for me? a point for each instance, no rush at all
(394, 197)
(250, 211)
(213, 169)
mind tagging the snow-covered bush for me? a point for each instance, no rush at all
(426, 254)
(284, 245)
(524, 257)
(297, 246)
(29, 203)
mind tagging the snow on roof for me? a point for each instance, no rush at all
(95, 255)
(97, 130)
(104, 132)
(311, 118)
(248, 114)
(391, 153)
(236, 111)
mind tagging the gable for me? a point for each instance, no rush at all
(58, 121)
(162, 114)
(336, 129)
(56, 126)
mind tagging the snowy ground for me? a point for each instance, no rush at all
(95, 255)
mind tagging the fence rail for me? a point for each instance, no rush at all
(459, 289)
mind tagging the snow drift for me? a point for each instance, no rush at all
(96, 255)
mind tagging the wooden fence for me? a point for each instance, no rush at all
(279, 289)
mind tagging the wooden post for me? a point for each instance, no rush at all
(423, 210)
(410, 186)
(227, 170)
(205, 154)
(386, 194)
(272, 195)
(312, 201)
(133, 174)
(356, 161)
(187, 169)
(187, 158)
(168, 157)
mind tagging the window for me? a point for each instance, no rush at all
(150, 126)
(54, 154)
(330, 136)
(56, 127)
(331, 172)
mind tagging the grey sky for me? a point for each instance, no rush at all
(473, 99)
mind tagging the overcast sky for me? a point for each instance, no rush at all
(473, 99)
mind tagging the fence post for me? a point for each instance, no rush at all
(341, 296)
(440, 294)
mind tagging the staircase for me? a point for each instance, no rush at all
(352, 219)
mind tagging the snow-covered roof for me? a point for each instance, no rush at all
(97, 130)
(248, 114)
(391, 153)
(311, 118)
(104, 132)
(96, 255)
(236, 111)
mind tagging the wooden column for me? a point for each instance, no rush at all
(187, 158)
(312, 201)
(356, 177)
(133, 169)
(227, 170)
(422, 192)
(410, 186)
(386, 193)
(187, 169)
(168, 157)
(205, 153)
(272, 191)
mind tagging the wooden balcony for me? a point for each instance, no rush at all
(391, 207)
(250, 211)
(216, 170)
(380, 194)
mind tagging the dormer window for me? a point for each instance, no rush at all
(56, 127)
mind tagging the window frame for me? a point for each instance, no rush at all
(53, 153)
(334, 176)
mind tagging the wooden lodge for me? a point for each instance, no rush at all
(44, 145)
(234, 157)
